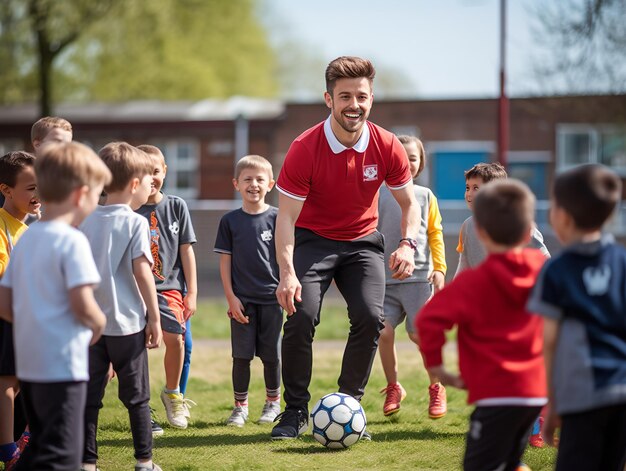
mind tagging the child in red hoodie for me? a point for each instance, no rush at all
(499, 343)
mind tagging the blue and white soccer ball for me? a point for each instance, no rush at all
(338, 420)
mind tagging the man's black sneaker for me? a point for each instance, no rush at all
(291, 424)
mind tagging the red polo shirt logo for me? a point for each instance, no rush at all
(370, 173)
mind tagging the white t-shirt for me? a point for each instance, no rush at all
(118, 236)
(51, 345)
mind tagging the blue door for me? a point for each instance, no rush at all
(449, 168)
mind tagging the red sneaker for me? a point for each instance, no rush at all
(536, 439)
(395, 395)
(438, 405)
(23, 442)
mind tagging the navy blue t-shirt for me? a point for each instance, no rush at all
(584, 288)
(249, 239)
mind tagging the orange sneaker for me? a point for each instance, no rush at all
(395, 394)
(522, 467)
(438, 405)
(536, 439)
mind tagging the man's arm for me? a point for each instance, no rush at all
(87, 311)
(550, 337)
(402, 261)
(6, 304)
(289, 287)
(145, 282)
(188, 260)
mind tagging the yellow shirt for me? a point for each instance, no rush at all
(11, 230)
(435, 237)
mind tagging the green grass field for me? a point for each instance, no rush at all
(408, 441)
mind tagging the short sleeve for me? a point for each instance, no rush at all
(459, 247)
(187, 234)
(79, 267)
(398, 173)
(224, 239)
(140, 241)
(295, 175)
(545, 296)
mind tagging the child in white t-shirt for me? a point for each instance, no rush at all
(47, 292)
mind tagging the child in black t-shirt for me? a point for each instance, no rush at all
(249, 272)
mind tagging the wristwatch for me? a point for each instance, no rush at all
(412, 242)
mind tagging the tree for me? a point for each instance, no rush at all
(581, 46)
(112, 50)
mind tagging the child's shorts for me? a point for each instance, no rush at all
(171, 308)
(261, 337)
(7, 356)
(404, 300)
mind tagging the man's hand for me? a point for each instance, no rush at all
(289, 289)
(402, 262)
(438, 280)
(551, 422)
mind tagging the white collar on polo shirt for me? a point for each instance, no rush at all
(337, 147)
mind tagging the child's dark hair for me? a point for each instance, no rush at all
(405, 139)
(12, 163)
(588, 193)
(486, 172)
(505, 209)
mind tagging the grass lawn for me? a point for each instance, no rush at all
(408, 441)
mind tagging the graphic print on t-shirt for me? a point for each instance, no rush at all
(597, 279)
(157, 268)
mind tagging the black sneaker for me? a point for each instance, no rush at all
(291, 424)
(157, 430)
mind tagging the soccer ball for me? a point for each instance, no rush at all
(338, 420)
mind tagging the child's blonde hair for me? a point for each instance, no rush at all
(42, 127)
(253, 161)
(125, 163)
(61, 168)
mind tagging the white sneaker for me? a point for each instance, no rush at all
(188, 404)
(239, 416)
(270, 410)
(174, 409)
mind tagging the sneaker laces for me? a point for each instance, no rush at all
(433, 391)
(393, 392)
(188, 403)
(177, 403)
(291, 417)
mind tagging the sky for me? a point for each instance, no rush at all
(446, 48)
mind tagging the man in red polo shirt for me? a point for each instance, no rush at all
(326, 229)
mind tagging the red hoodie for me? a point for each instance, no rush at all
(499, 342)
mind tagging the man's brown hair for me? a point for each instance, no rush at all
(12, 163)
(486, 172)
(505, 209)
(42, 127)
(588, 193)
(125, 163)
(348, 67)
(61, 168)
(405, 139)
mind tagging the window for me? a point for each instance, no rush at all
(182, 158)
(582, 144)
